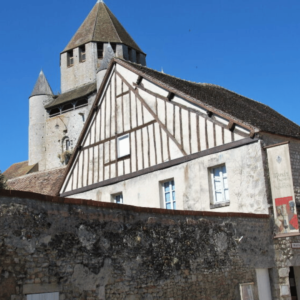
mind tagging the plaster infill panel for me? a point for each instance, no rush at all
(192, 183)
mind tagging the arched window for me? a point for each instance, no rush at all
(68, 144)
(67, 107)
(81, 102)
(54, 112)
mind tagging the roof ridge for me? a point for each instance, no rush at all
(95, 24)
(241, 108)
(112, 23)
(196, 83)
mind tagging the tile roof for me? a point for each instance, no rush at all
(44, 182)
(42, 86)
(249, 112)
(77, 93)
(101, 26)
(19, 169)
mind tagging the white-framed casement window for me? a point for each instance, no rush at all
(168, 191)
(82, 53)
(70, 58)
(118, 198)
(219, 185)
(123, 145)
(44, 296)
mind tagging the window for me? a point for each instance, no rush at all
(68, 144)
(67, 107)
(100, 50)
(114, 46)
(129, 53)
(118, 198)
(169, 194)
(70, 58)
(123, 145)
(82, 53)
(138, 61)
(246, 291)
(219, 185)
(80, 103)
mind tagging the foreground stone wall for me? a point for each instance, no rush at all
(94, 250)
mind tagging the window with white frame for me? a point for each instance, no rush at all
(219, 185)
(118, 198)
(123, 145)
(44, 296)
(169, 194)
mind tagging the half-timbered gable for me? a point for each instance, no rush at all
(138, 124)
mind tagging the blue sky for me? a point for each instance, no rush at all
(250, 47)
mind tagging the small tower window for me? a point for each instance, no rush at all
(70, 58)
(100, 50)
(82, 54)
(114, 46)
(129, 53)
(138, 61)
(68, 144)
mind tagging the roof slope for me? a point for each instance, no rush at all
(42, 86)
(45, 183)
(250, 112)
(73, 94)
(101, 26)
(19, 169)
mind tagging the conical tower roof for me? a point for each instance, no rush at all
(101, 26)
(42, 86)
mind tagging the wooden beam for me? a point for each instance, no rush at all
(165, 165)
(152, 113)
(120, 134)
(123, 94)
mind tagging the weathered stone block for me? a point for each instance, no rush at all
(284, 272)
(284, 291)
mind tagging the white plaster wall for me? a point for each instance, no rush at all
(245, 180)
(70, 125)
(81, 72)
(37, 118)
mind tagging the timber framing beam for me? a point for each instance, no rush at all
(162, 166)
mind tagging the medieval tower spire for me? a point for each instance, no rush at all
(83, 55)
(57, 120)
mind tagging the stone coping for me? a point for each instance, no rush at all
(137, 209)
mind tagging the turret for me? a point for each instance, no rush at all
(41, 95)
(84, 54)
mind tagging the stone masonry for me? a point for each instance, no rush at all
(93, 250)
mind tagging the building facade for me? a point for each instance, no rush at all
(167, 149)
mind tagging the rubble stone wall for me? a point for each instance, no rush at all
(94, 250)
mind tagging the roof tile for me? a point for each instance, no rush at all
(249, 112)
(101, 26)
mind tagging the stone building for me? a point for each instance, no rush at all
(208, 179)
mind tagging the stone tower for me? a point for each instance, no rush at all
(41, 95)
(83, 55)
(56, 121)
